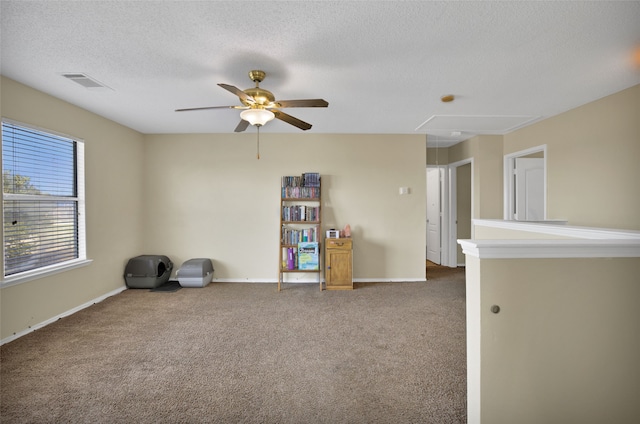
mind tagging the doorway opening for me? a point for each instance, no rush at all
(436, 213)
(449, 211)
(525, 185)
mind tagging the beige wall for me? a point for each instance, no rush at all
(593, 155)
(463, 207)
(564, 347)
(481, 232)
(208, 196)
(113, 159)
(592, 163)
(437, 156)
(486, 152)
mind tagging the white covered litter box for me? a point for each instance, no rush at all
(196, 272)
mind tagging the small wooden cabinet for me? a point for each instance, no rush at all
(338, 259)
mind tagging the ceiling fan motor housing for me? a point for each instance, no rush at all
(261, 96)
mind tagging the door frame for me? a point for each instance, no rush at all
(452, 243)
(509, 188)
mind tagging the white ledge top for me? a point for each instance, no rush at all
(558, 228)
(521, 249)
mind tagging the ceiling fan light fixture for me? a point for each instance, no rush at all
(257, 102)
(257, 117)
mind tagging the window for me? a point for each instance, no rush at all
(43, 200)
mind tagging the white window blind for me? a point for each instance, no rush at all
(43, 199)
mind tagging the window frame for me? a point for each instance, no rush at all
(79, 199)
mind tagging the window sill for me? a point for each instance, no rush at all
(23, 277)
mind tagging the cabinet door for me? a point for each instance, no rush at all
(338, 273)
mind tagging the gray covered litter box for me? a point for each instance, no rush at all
(195, 273)
(147, 271)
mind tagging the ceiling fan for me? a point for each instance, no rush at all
(259, 106)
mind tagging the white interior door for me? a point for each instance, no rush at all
(433, 215)
(529, 189)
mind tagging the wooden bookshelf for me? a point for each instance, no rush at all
(300, 226)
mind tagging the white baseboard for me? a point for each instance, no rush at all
(62, 315)
(307, 281)
(243, 280)
(389, 280)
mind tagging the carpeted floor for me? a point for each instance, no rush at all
(244, 353)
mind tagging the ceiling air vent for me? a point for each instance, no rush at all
(84, 80)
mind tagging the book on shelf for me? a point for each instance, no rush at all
(308, 256)
(300, 192)
(300, 213)
(289, 258)
(307, 179)
(311, 179)
(304, 186)
(294, 236)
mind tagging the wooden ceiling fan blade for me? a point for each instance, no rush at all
(292, 120)
(242, 125)
(235, 90)
(208, 107)
(302, 103)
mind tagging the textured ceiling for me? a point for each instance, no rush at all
(382, 66)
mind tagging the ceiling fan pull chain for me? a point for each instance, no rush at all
(258, 144)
